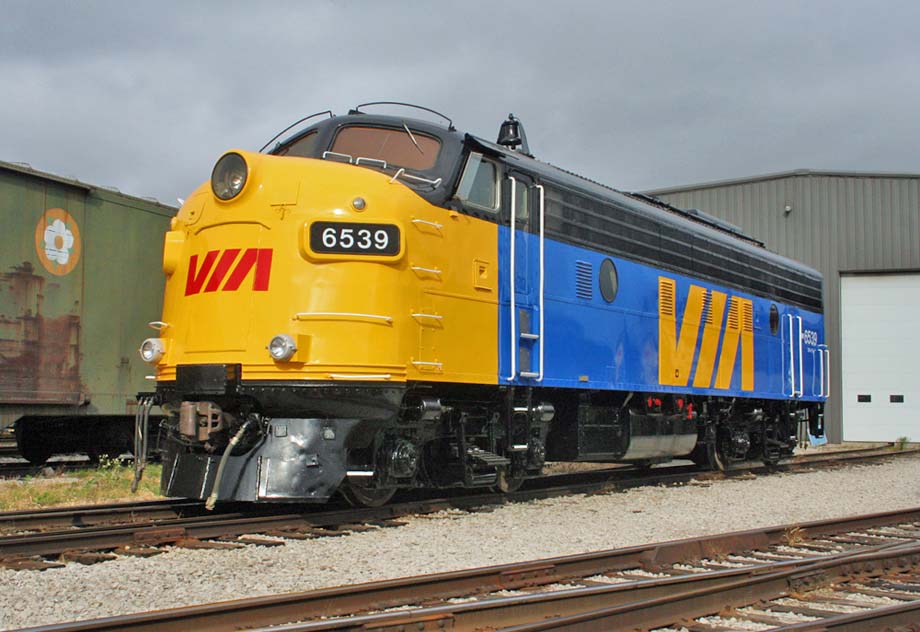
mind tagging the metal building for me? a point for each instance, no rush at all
(862, 231)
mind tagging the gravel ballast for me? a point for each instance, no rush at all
(453, 540)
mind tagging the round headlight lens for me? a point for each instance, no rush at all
(229, 176)
(152, 350)
(282, 347)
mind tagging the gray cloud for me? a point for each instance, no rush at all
(145, 96)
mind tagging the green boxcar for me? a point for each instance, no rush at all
(80, 279)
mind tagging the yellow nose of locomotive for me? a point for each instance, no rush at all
(299, 268)
(244, 286)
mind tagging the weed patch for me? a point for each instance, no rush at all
(109, 482)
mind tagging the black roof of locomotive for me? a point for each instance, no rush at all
(647, 205)
(693, 223)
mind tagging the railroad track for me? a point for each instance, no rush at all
(51, 538)
(855, 573)
(8, 447)
(17, 467)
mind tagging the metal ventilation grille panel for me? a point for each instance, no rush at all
(584, 280)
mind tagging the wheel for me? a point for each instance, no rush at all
(707, 456)
(507, 483)
(36, 454)
(359, 496)
(32, 447)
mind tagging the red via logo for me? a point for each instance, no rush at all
(258, 258)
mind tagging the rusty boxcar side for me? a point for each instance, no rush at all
(79, 280)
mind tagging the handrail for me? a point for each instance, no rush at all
(342, 316)
(434, 184)
(542, 279)
(295, 123)
(450, 123)
(821, 366)
(427, 223)
(801, 361)
(791, 356)
(827, 372)
(436, 271)
(513, 332)
(326, 154)
(378, 161)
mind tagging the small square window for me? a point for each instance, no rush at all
(863, 399)
(896, 399)
(479, 184)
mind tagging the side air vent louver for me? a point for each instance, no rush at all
(707, 307)
(734, 318)
(747, 316)
(584, 280)
(667, 289)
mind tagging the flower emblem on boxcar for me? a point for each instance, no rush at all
(57, 241)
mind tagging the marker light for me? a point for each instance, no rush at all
(282, 347)
(152, 350)
(229, 176)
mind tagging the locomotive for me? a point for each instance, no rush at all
(378, 302)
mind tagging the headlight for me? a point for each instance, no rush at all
(152, 350)
(282, 347)
(229, 176)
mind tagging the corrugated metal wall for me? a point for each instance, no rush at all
(838, 223)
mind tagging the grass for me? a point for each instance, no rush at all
(107, 483)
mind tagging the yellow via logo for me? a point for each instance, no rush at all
(707, 308)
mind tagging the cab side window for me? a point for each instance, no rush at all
(479, 186)
(522, 202)
(304, 147)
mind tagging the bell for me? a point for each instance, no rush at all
(509, 134)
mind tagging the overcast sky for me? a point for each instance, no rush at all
(145, 96)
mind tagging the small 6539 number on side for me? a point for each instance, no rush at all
(354, 238)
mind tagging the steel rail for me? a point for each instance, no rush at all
(884, 618)
(673, 609)
(141, 531)
(528, 609)
(272, 610)
(88, 515)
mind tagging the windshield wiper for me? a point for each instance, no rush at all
(412, 138)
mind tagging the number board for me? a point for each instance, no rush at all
(354, 238)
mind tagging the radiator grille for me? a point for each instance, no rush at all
(584, 280)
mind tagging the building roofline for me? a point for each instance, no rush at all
(777, 176)
(24, 168)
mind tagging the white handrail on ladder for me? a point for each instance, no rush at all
(791, 356)
(513, 336)
(820, 351)
(542, 340)
(801, 361)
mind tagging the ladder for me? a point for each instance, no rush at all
(515, 337)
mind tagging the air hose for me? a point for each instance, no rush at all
(212, 499)
(141, 439)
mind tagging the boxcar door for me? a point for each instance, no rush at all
(523, 265)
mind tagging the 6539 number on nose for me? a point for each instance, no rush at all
(354, 238)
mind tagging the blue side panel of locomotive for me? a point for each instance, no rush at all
(590, 343)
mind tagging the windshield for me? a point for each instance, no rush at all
(398, 147)
(305, 147)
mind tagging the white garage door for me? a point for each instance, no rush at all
(880, 323)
